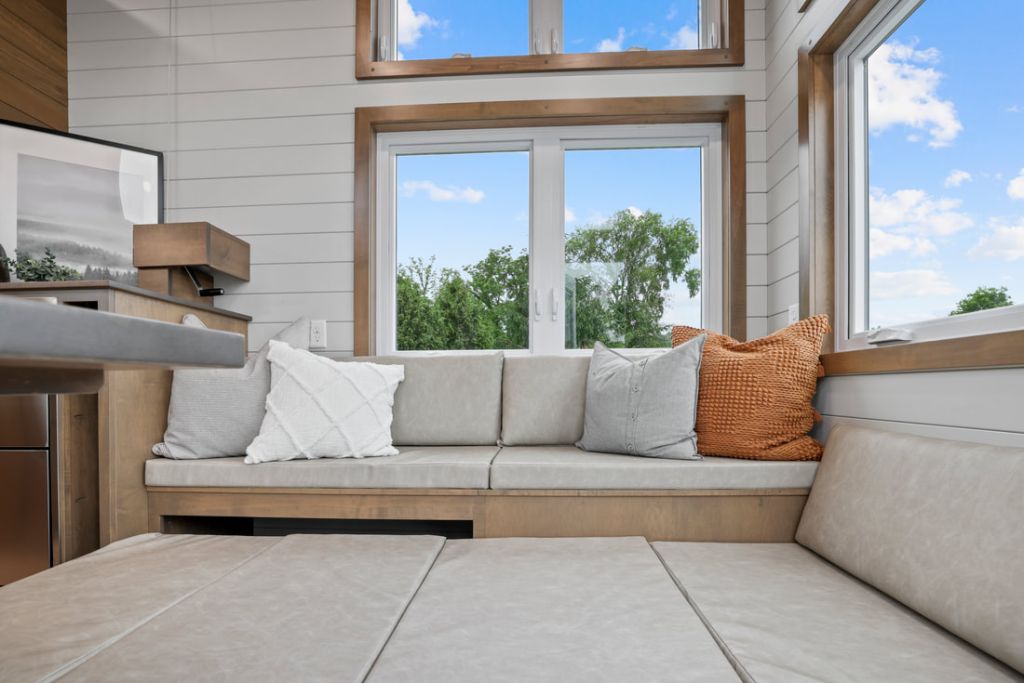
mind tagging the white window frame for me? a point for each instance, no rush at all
(546, 27)
(852, 279)
(547, 147)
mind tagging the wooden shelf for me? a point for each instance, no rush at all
(199, 244)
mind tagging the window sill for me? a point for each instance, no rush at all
(660, 59)
(995, 350)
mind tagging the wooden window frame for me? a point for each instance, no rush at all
(816, 141)
(728, 111)
(367, 67)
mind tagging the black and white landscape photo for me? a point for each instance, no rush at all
(81, 213)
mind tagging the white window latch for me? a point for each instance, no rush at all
(554, 305)
(536, 304)
(554, 42)
(885, 335)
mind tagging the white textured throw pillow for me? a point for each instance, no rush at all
(320, 408)
(217, 412)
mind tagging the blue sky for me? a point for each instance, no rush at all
(947, 146)
(440, 28)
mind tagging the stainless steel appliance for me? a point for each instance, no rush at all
(27, 487)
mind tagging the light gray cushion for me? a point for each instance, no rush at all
(643, 407)
(218, 412)
(785, 615)
(521, 609)
(566, 467)
(68, 612)
(542, 399)
(446, 399)
(456, 467)
(310, 608)
(935, 524)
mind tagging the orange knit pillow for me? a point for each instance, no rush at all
(755, 397)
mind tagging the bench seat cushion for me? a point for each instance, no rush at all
(448, 467)
(526, 609)
(784, 614)
(567, 467)
(214, 608)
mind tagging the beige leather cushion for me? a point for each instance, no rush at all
(938, 525)
(786, 615)
(446, 400)
(567, 467)
(310, 608)
(543, 399)
(455, 467)
(52, 620)
(528, 609)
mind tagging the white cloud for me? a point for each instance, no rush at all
(1006, 242)
(1016, 187)
(956, 178)
(634, 212)
(1014, 109)
(411, 24)
(684, 39)
(902, 90)
(570, 215)
(916, 212)
(884, 243)
(442, 194)
(906, 284)
(612, 44)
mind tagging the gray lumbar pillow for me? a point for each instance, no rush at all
(217, 413)
(643, 406)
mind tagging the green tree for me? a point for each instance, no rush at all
(418, 324)
(46, 269)
(501, 282)
(982, 299)
(464, 320)
(633, 259)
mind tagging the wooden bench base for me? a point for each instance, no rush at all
(759, 515)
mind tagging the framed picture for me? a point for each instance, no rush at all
(76, 196)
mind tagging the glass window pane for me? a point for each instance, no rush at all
(439, 29)
(462, 234)
(946, 163)
(632, 245)
(616, 26)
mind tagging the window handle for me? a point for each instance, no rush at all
(554, 305)
(714, 34)
(536, 50)
(554, 42)
(536, 304)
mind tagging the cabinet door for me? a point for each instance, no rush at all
(24, 514)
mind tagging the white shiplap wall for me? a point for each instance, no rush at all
(972, 405)
(252, 102)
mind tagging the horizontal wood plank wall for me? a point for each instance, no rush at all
(34, 62)
(254, 103)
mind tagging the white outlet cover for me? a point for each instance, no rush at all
(794, 313)
(318, 334)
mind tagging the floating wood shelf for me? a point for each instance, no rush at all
(199, 244)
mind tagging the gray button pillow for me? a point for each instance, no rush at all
(215, 413)
(643, 406)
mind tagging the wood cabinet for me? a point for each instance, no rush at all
(102, 441)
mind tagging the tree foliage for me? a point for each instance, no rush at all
(618, 274)
(982, 299)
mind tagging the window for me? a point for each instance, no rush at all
(930, 186)
(547, 239)
(433, 37)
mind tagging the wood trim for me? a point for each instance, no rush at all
(33, 63)
(761, 515)
(368, 68)
(997, 350)
(728, 110)
(816, 151)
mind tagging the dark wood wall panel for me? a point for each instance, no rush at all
(34, 62)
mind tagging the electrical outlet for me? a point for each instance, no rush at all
(318, 334)
(794, 313)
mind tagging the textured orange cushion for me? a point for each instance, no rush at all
(755, 397)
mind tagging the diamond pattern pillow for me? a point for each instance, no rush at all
(320, 408)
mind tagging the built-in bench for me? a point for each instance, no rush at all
(489, 439)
